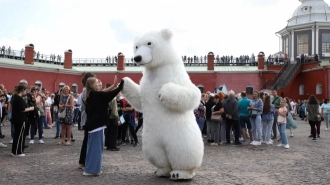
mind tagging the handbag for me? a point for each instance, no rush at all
(280, 119)
(216, 118)
(252, 115)
(319, 118)
(55, 108)
(62, 114)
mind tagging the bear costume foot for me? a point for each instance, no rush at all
(182, 175)
(163, 172)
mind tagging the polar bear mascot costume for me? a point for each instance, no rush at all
(171, 138)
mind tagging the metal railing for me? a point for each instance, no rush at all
(277, 77)
(20, 55)
(283, 82)
(112, 61)
(271, 82)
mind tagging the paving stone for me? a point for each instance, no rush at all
(306, 162)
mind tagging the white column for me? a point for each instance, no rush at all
(281, 44)
(317, 40)
(313, 41)
(293, 57)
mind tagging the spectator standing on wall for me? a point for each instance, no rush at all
(22, 51)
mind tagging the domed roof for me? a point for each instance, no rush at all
(310, 11)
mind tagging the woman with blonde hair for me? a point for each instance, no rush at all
(66, 104)
(281, 122)
(291, 124)
(256, 109)
(97, 118)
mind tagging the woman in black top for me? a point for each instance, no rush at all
(18, 120)
(97, 118)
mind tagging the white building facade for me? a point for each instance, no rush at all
(308, 31)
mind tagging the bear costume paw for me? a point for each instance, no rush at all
(167, 95)
(182, 175)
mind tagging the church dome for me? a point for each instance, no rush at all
(310, 11)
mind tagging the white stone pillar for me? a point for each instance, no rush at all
(317, 40)
(281, 44)
(293, 57)
(313, 41)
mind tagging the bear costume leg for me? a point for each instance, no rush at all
(163, 172)
(185, 158)
(157, 156)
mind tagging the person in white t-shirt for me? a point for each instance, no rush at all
(48, 104)
(325, 112)
(294, 107)
(76, 111)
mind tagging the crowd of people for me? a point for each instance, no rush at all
(242, 59)
(258, 119)
(96, 109)
(9, 53)
(100, 111)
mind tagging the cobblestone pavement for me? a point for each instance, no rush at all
(306, 162)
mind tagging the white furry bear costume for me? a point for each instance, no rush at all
(171, 139)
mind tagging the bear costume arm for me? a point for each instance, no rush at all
(132, 93)
(180, 97)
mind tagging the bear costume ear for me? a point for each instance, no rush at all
(166, 33)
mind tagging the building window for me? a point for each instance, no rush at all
(38, 83)
(62, 84)
(201, 87)
(301, 90)
(319, 88)
(74, 88)
(303, 44)
(249, 90)
(23, 81)
(286, 46)
(326, 44)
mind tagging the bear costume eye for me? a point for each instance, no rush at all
(149, 43)
(136, 47)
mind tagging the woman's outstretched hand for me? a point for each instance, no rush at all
(115, 82)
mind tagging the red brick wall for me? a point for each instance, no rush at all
(210, 81)
(239, 81)
(11, 77)
(309, 80)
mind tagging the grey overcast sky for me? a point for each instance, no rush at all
(99, 28)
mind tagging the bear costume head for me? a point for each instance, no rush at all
(154, 49)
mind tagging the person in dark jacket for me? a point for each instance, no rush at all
(208, 112)
(56, 107)
(97, 118)
(232, 117)
(18, 120)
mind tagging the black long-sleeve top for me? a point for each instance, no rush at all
(209, 106)
(97, 108)
(18, 106)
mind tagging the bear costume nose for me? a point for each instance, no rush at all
(138, 58)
